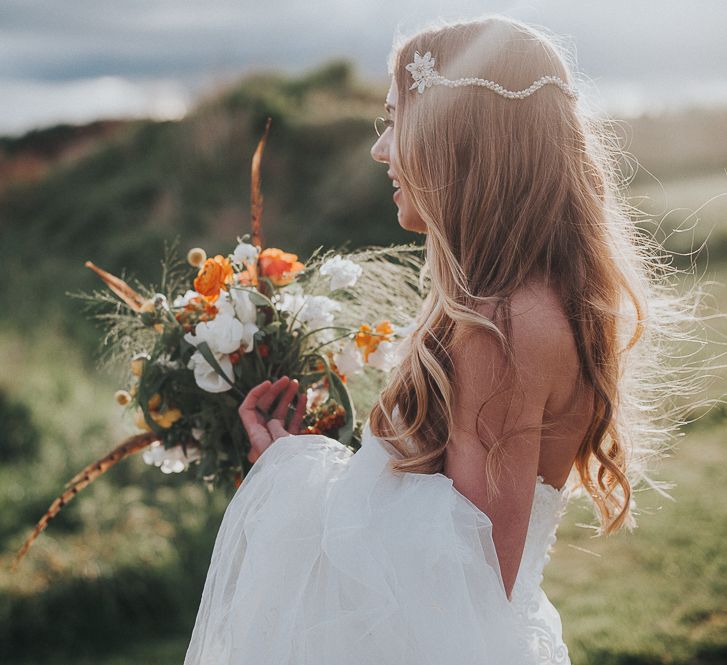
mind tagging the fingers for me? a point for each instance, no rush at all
(251, 399)
(281, 410)
(297, 418)
(264, 429)
(272, 391)
(276, 429)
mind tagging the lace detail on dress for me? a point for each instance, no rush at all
(529, 600)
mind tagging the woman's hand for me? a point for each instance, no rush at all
(263, 428)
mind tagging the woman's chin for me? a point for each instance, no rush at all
(408, 225)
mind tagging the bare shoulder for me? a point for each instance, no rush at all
(540, 324)
(542, 339)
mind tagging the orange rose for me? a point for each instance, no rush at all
(212, 276)
(369, 342)
(279, 266)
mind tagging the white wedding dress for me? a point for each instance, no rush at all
(325, 557)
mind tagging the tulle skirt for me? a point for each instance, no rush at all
(325, 557)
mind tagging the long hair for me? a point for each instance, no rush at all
(509, 189)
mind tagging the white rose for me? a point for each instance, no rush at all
(224, 304)
(244, 307)
(224, 333)
(245, 253)
(318, 311)
(207, 377)
(248, 333)
(343, 272)
(291, 303)
(349, 359)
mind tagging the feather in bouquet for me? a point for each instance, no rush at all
(220, 325)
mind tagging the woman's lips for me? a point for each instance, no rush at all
(396, 194)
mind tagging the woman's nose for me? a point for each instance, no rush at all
(380, 151)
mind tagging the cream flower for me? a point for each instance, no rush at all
(238, 304)
(385, 357)
(171, 460)
(206, 376)
(244, 307)
(182, 301)
(318, 311)
(245, 253)
(343, 272)
(314, 311)
(348, 359)
(224, 334)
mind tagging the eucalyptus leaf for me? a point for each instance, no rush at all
(343, 397)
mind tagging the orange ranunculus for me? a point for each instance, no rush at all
(368, 341)
(214, 274)
(279, 266)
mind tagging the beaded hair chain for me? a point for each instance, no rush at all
(425, 76)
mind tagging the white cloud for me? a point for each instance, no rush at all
(32, 103)
(80, 59)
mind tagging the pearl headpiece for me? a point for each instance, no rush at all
(425, 76)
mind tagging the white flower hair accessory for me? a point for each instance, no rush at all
(424, 75)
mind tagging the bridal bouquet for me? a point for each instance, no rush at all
(219, 325)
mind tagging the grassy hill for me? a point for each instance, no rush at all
(135, 186)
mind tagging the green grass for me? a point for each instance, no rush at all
(657, 594)
(162, 651)
(117, 577)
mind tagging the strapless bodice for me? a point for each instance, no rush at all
(528, 599)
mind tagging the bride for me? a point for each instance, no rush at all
(427, 546)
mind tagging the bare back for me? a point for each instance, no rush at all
(569, 407)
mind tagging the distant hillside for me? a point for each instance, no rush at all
(136, 184)
(29, 157)
(113, 192)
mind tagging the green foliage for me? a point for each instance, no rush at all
(19, 437)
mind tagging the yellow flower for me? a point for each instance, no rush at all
(167, 418)
(368, 341)
(140, 421)
(154, 402)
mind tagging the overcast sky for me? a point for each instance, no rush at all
(76, 60)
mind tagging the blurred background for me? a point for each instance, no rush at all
(126, 124)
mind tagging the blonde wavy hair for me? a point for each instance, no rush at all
(509, 189)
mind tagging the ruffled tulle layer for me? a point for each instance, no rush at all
(324, 557)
